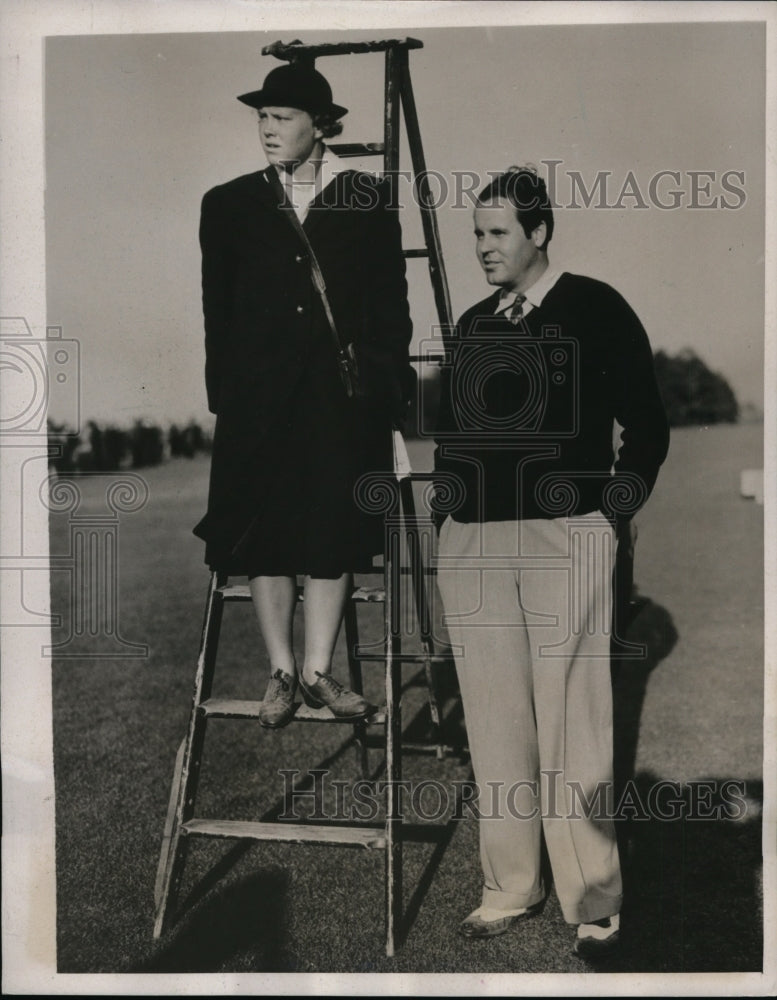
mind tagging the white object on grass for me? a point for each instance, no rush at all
(751, 484)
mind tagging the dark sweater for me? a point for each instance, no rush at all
(526, 414)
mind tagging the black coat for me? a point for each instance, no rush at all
(270, 372)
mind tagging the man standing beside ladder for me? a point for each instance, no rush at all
(538, 372)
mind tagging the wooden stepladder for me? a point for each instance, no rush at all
(182, 823)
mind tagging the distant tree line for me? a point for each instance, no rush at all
(692, 394)
(109, 449)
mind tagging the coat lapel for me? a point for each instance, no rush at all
(269, 187)
(273, 194)
(333, 194)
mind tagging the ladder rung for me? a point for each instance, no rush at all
(242, 592)
(406, 658)
(375, 741)
(370, 837)
(422, 252)
(346, 149)
(433, 748)
(229, 708)
(436, 359)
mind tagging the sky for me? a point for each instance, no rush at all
(139, 126)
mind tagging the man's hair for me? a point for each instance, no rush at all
(329, 126)
(525, 190)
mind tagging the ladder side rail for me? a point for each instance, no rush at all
(426, 202)
(393, 680)
(203, 686)
(391, 95)
(436, 649)
(414, 542)
(188, 776)
(356, 681)
(417, 566)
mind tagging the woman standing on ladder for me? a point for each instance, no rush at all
(294, 431)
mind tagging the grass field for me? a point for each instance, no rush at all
(692, 711)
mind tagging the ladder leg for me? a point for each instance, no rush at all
(355, 676)
(170, 821)
(423, 615)
(186, 778)
(442, 300)
(393, 744)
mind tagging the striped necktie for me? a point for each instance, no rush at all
(516, 312)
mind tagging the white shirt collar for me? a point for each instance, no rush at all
(533, 295)
(302, 194)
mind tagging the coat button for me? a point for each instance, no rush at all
(298, 258)
(300, 309)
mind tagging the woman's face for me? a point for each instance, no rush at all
(288, 135)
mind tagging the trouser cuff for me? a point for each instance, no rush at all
(495, 899)
(596, 908)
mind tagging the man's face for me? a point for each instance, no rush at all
(504, 251)
(288, 135)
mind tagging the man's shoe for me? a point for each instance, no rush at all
(486, 921)
(342, 702)
(599, 939)
(277, 708)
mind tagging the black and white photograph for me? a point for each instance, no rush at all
(388, 453)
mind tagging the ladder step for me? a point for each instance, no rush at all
(422, 252)
(242, 592)
(229, 708)
(435, 748)
(292, 50)
(356, 836)
(367, 595)
(346, 149)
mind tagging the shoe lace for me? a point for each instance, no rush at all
(282, 679)
(327, 681)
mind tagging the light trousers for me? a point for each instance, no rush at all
(528, 607)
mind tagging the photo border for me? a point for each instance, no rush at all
(28, 895)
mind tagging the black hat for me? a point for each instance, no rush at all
(295, 86)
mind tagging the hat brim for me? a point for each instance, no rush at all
(259, 99)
